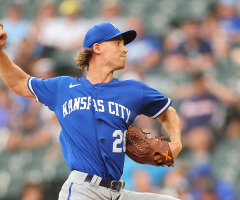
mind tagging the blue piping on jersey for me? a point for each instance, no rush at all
(69, 195)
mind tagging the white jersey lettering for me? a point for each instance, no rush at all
(89, 103)
(122, 110)
(110, 107)
(70, 108)
(65, 112)
(128, 114)
(117, 110)
(85, 103)
(100, 104)
(76, 103)
(94, 104)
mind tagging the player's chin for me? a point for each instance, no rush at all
(121, 65)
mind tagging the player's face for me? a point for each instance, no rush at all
(114, 53)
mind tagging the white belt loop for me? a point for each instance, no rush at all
(93, 181)
(97, 182)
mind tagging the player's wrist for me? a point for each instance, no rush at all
(176, 148)
(176, 145)
(176, 139)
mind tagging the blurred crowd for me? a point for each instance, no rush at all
(196, 63)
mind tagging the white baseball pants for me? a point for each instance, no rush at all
(75, 188)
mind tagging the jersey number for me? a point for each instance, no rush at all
(120, 138)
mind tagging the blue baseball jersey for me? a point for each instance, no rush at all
(94, 118)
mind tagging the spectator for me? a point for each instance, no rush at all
(46, 11)
(232, 78)
(142, 182)
(205, 186)
(17, 28)
(33, 134)
(25, 55)
(110, 11)
(176, 182)
(130, 167)
(203, 102)
(200, 108)
(32, 191)
(144, 52)
(213, 34)
(194, 53)
(221, 28)
(228, 148)
(64, 33)
(5, 116)
(229, 19)
(43, 68)
(198, 145)
(5, 107)
(148, 125)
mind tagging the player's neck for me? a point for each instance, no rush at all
(99, 75)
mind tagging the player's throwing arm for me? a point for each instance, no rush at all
(13, 76)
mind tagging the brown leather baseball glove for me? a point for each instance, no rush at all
(144, 150)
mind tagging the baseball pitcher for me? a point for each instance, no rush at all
(96, 113)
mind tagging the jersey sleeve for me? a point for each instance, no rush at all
(45, 90)
(153, 103)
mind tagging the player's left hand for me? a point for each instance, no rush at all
(157, 159)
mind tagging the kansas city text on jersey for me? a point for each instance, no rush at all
(84, 103)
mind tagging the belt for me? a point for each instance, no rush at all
(113, 185)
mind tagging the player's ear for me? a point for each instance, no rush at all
(96, 48)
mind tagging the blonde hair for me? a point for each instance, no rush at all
(82, 58)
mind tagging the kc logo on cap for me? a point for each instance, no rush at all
(106, 31)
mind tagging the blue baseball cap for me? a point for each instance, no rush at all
(106, 31)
